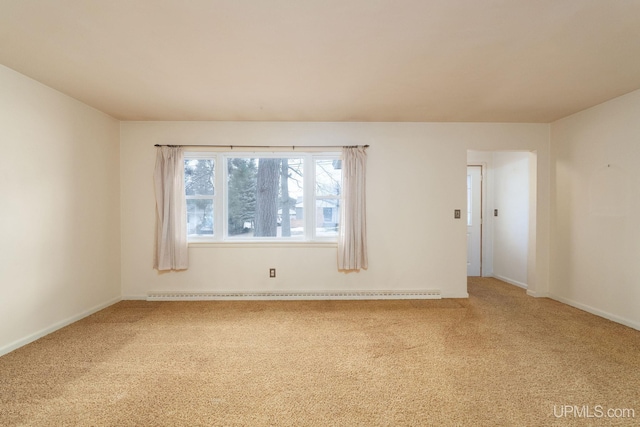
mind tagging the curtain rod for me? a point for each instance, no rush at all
(293, 147)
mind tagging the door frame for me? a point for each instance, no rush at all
(536, 274)
(482, 167)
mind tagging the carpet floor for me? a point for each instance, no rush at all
(497, 358)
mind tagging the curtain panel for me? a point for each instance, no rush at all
(171, 250)
(352, 238)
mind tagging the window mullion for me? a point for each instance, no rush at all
(310, 198)
(220, 194)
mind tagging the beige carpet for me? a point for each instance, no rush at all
(498, 358)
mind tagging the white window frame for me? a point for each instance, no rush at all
(220, 205)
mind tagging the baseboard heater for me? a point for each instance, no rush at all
(291, 295)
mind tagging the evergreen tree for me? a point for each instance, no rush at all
(242, 194)
(198, 181)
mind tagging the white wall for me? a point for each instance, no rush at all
(416, 178)
(596, 200)
(510, 188)
(59, 210)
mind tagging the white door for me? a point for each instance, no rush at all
(474, 220)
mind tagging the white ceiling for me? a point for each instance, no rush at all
(328, 60)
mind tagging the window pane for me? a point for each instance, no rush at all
(199, 217)
(327, 217)
(198, 177)
(328, 177)
(264, 195)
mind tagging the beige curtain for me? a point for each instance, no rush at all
(352, 240)
(171, 222)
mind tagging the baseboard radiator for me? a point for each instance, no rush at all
(291, 295)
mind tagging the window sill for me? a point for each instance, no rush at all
(269, 244)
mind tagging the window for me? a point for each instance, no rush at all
(263, 196)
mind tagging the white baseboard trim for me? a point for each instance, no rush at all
(59, 325)
(537, 294)
(511, 281)
(134, 297)
(291, 295)
(597, 312)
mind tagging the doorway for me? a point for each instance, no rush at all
(507, 192)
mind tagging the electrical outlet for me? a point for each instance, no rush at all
(495, 212)
(272, 272)
(456, 214)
